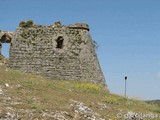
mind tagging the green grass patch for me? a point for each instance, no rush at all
(87, 87)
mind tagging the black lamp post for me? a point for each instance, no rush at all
(125, 86)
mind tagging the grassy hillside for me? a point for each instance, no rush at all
(29, 97)
(157, 102)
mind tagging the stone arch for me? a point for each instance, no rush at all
(5, 37)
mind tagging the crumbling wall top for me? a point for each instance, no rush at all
(79, 26)
(30, 23)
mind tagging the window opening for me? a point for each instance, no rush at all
(59, 41)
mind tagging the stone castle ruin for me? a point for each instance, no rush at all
(57, 52)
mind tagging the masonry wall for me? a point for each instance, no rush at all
(34, 50)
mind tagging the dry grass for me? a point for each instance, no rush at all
(39, 94)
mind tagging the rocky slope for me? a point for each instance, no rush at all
(28, 97)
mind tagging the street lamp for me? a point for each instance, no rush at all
(125, 86)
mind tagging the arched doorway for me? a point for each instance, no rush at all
(5, 40)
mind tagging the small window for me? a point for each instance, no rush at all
(59, 41)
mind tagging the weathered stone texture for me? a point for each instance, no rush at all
(35, 50)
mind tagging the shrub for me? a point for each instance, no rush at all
(28, 23)
(84, 86)
(112, 99)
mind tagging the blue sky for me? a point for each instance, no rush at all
(127, 32)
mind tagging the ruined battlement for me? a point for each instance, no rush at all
(82, 26)
(57, 52)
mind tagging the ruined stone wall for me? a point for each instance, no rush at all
(35, 50)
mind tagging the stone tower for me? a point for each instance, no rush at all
(57, 52)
